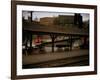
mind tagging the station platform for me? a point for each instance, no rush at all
(56, 59)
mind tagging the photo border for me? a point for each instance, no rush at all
(14, 39)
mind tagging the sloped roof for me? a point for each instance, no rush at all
(35, 26)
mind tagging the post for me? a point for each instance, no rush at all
(53, 44)
(53, 37)
(70, 37)
(31, 40)
(31, 16)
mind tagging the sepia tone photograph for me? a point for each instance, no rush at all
(54, 39)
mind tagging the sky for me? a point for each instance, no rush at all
(38, 15)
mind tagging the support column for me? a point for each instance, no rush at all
(52, 44)
(31, 40)
(53, 37)
(31, 16)
(70, 38)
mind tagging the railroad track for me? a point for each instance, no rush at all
(72, 61)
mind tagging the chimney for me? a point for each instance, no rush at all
(78, 20)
